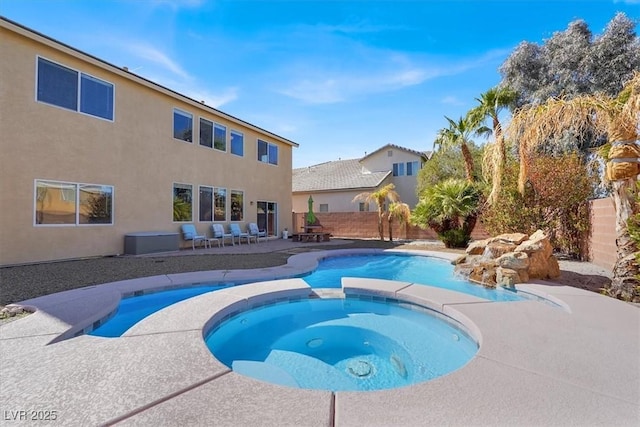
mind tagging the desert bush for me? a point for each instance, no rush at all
(555, 200)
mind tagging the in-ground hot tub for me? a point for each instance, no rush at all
(342, 344)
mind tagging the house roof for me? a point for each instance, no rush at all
(336, 175)
(425, 154)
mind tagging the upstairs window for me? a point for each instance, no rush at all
(413, 168)
(63, 87)
(398, 169)
(182, 125)
(323, 207)
(206, 133)
(267, 152)
(220, 137)
(237, 143)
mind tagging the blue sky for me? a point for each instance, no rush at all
(341, 78)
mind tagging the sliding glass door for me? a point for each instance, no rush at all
(268, 217)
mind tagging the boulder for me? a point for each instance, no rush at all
(477, 247)
(508, 259)
(507, 277)
(511, 238)
(514, 260)
(497, 249)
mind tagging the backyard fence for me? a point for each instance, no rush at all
(364, 225)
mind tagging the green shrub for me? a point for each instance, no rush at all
(555, 200)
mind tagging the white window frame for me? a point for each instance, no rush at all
(230, 200)
(213, 202)
(268, 144)
(173, 124)
(226, 136)
(235, 132)
(79, 89)
(200, 130)
(173, 186)
(76, 186)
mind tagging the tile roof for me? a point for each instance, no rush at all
(425, 154)
(336, 175)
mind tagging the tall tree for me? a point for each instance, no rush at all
(458, 135)
(491, 103)
(445, 164)
(618, 120)
(573, 62)
(380, 198)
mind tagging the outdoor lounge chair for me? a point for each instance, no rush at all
(218, 233)
(255, 233)
(189, 233)
(238, 234)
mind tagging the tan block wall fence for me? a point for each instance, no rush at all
(364, 225)
(602, 245)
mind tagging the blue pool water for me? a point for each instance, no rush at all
(406, 268)
(340, 344)
(133, 309)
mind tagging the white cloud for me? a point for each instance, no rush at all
(215, 100)
(152, 54)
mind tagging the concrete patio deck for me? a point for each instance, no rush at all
(537, 364)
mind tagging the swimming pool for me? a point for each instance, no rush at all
(418, 269)
(415, 269)
(341, 344)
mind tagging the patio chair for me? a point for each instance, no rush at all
(189, 233)
(255, 233)
(218, 233)
(238, 234)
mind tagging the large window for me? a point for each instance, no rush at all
(206, 133)
(182, 202)
(220, 207)
(413, 168)
(61, 86)
(182, 125)
(237, 205)
(267, 152)
(220, 137)
(70, 203)
(237, 143)
(206, 204)
(398, 169)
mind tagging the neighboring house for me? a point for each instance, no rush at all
(91, 152)
(333, 185)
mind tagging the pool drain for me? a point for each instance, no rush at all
(359, 368)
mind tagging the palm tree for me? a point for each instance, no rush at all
(617, 119)
(379, 198)
(492, 102)
(459, 134)
(450, 208)
(400, 212)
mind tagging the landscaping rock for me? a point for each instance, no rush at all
(509, 259)
(477, 247)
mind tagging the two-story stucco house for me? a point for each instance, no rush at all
(92, 152)
(333, 185)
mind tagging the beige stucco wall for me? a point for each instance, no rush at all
(337, 201)
(405, 185)
(136, 154)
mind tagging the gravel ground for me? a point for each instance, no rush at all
(18, 283)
